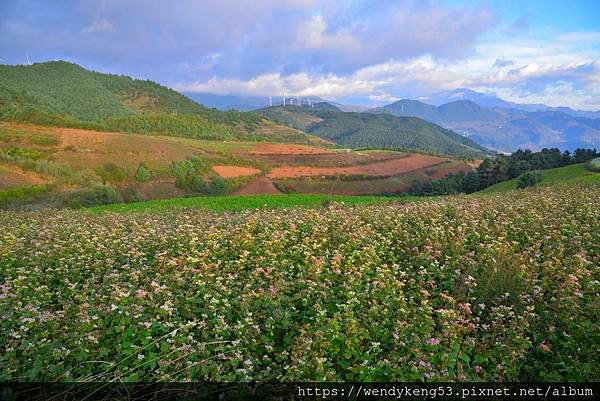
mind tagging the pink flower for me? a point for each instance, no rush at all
(433, 341)
(140, 293)
(466, 308)
(478, 369)
(544, 347)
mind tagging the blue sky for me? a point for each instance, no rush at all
(371, 51)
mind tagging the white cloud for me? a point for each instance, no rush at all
(101, 25)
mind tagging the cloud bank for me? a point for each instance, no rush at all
(373, 51)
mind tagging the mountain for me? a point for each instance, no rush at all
(482, 99)
(490, 100)
(368, 130)
(457, 111)
(229, 102)
(249, 103)
(504, 129)
(64, 94)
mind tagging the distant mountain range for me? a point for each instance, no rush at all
(249, 103)
(487, 100)
(371, 130)
(487, 119)
(501, 128)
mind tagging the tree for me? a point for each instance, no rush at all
(529, 179)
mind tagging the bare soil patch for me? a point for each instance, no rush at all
(448, 168)
(235, 171)
(260, 186)
(12, 176)
(287, 149)
(336, 159)
(380, 169)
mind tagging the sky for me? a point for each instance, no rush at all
(368, 52)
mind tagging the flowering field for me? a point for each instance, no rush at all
(463, 288)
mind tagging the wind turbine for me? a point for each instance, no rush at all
(283, 99)
(28, 62)
(270, 101)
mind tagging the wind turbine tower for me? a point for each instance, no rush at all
(270, 101)
(28, 62)
(284, 100)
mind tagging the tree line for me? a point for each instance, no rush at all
(502, 168)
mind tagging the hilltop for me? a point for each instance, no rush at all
(59, 93)
(368, 130)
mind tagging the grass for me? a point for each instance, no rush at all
(573, 173)
(243, 202)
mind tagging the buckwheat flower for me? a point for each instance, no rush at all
(544, 347)
(433, 341)
(141, 356)
(140, 293)
(478, 369)
(4, 291)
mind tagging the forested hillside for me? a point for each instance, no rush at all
(367, 130)
(504, 129)
(64, 94)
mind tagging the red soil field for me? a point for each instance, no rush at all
(12, 176)
(287, 149)
(450, 169)
(259, 186)
(379, 169)
(235, 171)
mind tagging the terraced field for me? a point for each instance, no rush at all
(69, 158)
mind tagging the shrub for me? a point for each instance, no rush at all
(110, 172)
(593, 165)
(20, 194)
(99, 194)
(217, 186)
(143, 173)
(130, 195)
(188, 175)
(529, 179)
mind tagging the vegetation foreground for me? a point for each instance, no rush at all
(463, 288)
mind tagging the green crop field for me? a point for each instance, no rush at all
(485, 288)
(245, 202)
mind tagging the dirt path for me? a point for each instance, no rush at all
(260, 186)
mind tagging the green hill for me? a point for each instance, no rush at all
(574, 173)
(367, 130)
(59, 93)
